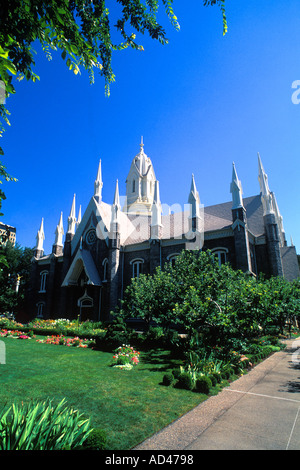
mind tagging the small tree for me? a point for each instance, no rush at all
(14, 276)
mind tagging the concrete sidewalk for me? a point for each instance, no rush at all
(259, 411)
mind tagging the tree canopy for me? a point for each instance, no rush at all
(81, 30)
(218, 303)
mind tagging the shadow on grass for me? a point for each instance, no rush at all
(160, 360)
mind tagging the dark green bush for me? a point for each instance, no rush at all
(168, 379)
(185, 381)
(213, 380)
(176, 373)
(96, 440)
(227, 373)
(203, 384)
(217, 376)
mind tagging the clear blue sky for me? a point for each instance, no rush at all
(201, 102)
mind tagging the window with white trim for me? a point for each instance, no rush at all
(137, 267)
(221, 254)
(43, 275)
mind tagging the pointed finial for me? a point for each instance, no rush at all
(117, 196)
(236, 189)
(40, 236)
(59, 232)
(194, 200)
(266, 195)
(98, 184)
(72, 218)
(194, 195)
(79, 215)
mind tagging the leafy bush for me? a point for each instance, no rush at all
(96, 440)
(185, 380)
(203, 384)
(168, 379)
(176, 373)
(213, 380)
(42, 426)
(216, 376)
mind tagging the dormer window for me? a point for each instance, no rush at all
(133, 186)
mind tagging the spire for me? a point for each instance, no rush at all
(266, 195)
(59, 232)
(40, 237)
(141, 160)
(116, 206)
(117, 196)
(72, 218)
(98, 184)
(194, 200)
(156, 210)
(79, 217)
(40, 241)
(236, 190)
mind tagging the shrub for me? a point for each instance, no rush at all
(185, 381)
(203, 384)
(213, 379)
(168, 379)
(42, 426)
(227, 373)
(217, 376)
(176, 373)
(96, 440)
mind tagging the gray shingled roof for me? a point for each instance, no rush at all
(216, 217)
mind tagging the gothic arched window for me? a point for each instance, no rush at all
(221, 254)
(137, 267)
(43, 275)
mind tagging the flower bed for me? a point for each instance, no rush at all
(125, 357)
(63, 340)
(14, 334)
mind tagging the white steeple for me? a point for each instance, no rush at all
(156, 207)
(40, 237)
(59, 232)
(140, 184)
(194, 200)
(72, 218)
(116, 206)
(236, 190)
(79, 217)
(266, 196)
(98, 184)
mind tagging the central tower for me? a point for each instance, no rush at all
(140, 184)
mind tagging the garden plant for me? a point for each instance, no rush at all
(200, 325)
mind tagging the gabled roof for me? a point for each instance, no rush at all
(82, 260)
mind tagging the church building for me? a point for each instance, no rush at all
(88, 271)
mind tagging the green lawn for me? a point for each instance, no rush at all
(129, 405)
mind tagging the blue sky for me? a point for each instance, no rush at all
(200, 103)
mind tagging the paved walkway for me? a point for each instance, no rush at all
(259, 411)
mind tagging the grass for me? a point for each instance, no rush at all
(129, 405)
